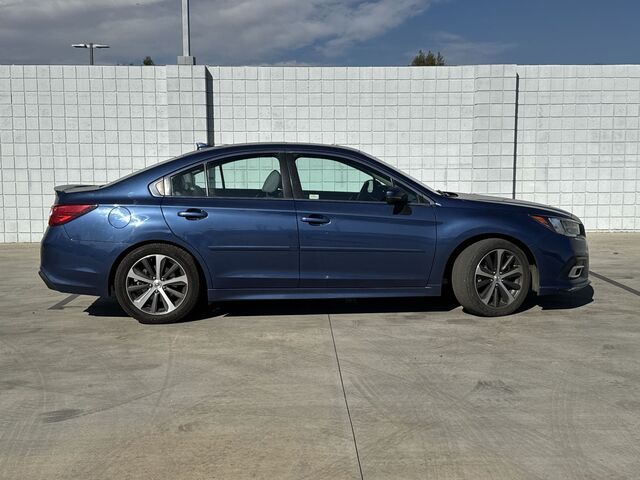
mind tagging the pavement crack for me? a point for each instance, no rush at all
(346, 402)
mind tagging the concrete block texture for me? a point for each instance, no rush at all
(576, 144)
(578, 138)
(431, 123)
(81, 124)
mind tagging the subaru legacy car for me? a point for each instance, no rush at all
(293, 221)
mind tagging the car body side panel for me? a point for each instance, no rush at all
(366, 245)
(246, 243)
(457, 226)
(318, 293)
(78, 256)
(458, 223)
(119, 224)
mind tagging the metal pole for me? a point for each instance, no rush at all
(186, 58)
(91, 54)
(515, 140)
(186, 37)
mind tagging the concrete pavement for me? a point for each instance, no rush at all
(323, 390)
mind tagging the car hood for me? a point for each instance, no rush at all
(500, 201)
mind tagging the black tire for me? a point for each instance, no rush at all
(191, 291)
(469, 285)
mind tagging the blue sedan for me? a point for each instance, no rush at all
(284, 221)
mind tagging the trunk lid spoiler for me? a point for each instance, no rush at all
(64, 193)
(75, 188)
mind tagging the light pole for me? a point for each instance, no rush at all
(186, 58)
(90, 46)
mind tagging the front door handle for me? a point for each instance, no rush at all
(315, 219)
(193, 214)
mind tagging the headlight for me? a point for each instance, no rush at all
(563, 226)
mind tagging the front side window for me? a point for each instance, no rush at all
(332, 179)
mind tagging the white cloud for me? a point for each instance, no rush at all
(253, 30)
(33, 31)
(224, 31)
(458, 50)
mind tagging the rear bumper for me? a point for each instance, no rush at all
(75, 267)
(46, 280)
(67, 285)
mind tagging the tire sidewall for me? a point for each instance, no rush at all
(183, 258)
(463, 277)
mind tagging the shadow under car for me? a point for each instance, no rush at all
(108, 307)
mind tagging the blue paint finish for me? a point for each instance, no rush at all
(95, 226)
(366, 245)
(119, 217)
(78, 257)
(250, 248)
(76, 266)
(246, 243)
(472, 216)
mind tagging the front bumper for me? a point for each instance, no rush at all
(559, 261)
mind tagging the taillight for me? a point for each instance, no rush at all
(61, 214)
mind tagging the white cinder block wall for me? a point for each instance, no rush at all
(90, 125)
(578, 141)
(451, 127)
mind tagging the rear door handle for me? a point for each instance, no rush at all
(315, 219)
(193, 214)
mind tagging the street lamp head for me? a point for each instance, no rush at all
(91, 47)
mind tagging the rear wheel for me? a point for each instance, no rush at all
(491, 277)
(157, 283)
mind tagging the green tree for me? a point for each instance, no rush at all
(148, 61)
(428, 59)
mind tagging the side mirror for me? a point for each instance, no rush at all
(394, 196)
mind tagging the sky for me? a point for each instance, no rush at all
(323, 32)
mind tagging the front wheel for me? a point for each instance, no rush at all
(491, 278)
(157, 283)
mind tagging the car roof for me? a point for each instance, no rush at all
(279, 145)
(202, 153)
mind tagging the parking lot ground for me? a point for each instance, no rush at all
(383, 389)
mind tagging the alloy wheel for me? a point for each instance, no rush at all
(157, 284)
(498, 278)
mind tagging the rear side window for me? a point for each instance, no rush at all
(190, 183)
(246, 177)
